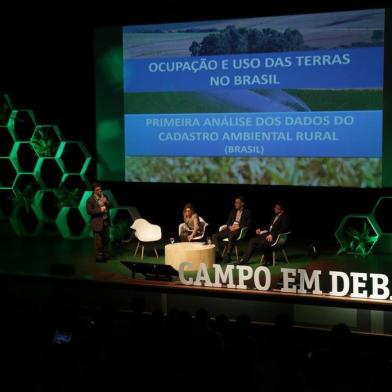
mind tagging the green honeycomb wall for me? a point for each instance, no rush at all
(358, 234)
(373, 231)
(44, 184)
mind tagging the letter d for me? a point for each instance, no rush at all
(346, 283)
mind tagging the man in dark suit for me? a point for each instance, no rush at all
(239, 217)
(266, 236)
(98, 208)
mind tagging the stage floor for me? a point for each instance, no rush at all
(47, 256)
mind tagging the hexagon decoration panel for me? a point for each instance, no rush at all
(22, 124)
(46, 205)
(78, 181)
(26, 184)
(71, 223)
(8, 173)
(24, 157)
(357, 234)
(45, 140)
(49, 172)
(25, 222)
(73, 157)
(6, 202)
(6, 142)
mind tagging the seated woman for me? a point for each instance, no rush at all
(192, 226)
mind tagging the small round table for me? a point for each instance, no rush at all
(194, 252)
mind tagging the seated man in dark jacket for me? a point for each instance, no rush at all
(266, 236)
(239, 217)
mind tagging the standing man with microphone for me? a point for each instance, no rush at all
(98, 208)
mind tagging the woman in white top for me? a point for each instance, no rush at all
(192, 226)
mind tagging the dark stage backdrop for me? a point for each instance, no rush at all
(48, 66)
(316, 212)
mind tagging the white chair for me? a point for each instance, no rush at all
(146, 232)
(181, 228)
(279, 243)
(242, 235)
